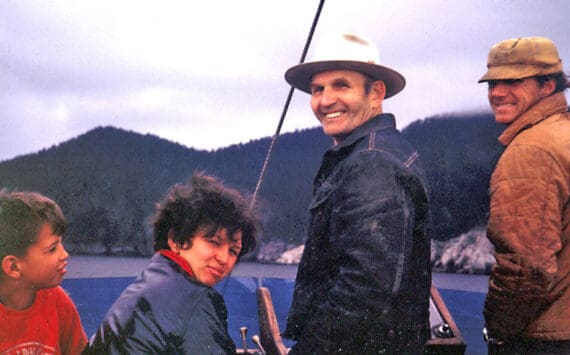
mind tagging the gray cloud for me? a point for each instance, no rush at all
(210, 74)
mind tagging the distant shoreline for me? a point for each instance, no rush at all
(83, 266)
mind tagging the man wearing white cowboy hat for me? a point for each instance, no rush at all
(363, 284)
(527, 308)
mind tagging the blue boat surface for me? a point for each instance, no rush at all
(95, 282)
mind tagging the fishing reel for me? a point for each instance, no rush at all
(442, 330)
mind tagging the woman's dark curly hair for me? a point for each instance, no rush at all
(204, 202)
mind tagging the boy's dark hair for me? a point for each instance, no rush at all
(204, 202)
(22, 214)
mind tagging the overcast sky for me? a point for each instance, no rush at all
(208, 74)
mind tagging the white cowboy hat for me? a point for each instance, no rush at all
(350, 52)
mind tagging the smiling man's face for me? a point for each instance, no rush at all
(340, 102)
(509, 99)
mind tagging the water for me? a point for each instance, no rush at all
(93, 295)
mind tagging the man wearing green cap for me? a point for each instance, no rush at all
(527, 309)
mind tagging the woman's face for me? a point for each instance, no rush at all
(211, 258)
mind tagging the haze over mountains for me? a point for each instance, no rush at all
(108, 180)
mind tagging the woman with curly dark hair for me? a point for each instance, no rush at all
(201, 229)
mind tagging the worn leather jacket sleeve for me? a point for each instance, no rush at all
(371, 227)
(525, 228)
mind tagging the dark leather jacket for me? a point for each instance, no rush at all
(363, 284)
(164, 311)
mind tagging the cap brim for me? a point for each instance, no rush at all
(299, 76)
(515, 71)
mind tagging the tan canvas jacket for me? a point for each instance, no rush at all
(528, 225)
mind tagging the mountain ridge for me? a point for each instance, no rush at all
(107, 180)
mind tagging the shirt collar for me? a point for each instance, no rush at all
(546, 107)
(376, 123)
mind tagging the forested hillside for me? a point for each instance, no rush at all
(108, 180)
(459, 154)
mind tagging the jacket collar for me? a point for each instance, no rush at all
(178, 260)
(546, 107)
(376, 123)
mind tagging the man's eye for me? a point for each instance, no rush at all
(513, 81)
(493, 83)
(316, 90)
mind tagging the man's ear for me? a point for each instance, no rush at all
(378, 92)
(548, 87)
(10, 266)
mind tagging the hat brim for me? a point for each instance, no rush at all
(518, 71)
(300, 76)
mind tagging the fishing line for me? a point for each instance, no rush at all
(281, 120)
(285, 107)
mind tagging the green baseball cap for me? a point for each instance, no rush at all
(519, 58)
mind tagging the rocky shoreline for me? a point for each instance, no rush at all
(469, 253)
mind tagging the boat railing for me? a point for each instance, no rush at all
(445, 335)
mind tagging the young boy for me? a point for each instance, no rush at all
(36, 315)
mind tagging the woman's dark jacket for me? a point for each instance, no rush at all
(164, 311)
(363, 284)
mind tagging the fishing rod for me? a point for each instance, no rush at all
(285, 107)
(284, 112)
(243, 330)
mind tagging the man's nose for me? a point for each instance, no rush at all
(328, 97)
(498, 89)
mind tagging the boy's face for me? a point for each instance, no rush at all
(212, 259)
(45, 261)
